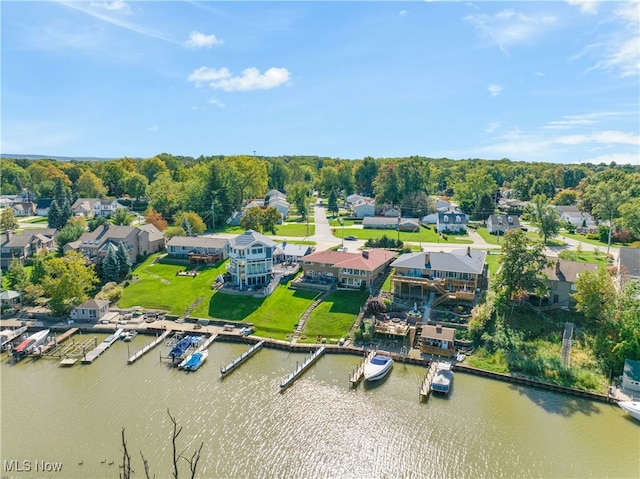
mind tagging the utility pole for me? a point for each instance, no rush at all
(213, 215)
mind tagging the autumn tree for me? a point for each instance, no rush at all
(156, 219)
(8, 221)
(194, 224)
(67, 282)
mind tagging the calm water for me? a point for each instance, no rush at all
(319, 428)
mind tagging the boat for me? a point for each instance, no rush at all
(443, 378)
(30, 344)
(632, 407)
(129, 335)
(179, 349)
(460, 357)
(377, 367)
(8, 335)
(195, 360)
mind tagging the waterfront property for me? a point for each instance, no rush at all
(437, 340)
(344, 269)
(209, 249)
(25, 245)
(631, 377)
(562, 277)
(92, 310)
(456, 275)
(251, 260)
(10, 298)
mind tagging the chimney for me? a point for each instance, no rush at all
(365, 254)
(9, 235)
(469, 251)
(558, 265)
(439, 328)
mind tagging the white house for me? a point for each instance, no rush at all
(451, 222)
(576, 217)
(251, 259)
(363, 208)
(84, 207)
(500, 224)
(106, 208)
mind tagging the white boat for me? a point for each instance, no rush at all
(377, 367)
(129, 335)
(195, 360)
(443, 378)
(632, 407)
(30, 344)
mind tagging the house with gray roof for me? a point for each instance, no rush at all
(581, 220)
(92, 310)
(456, 275)
(380, 222)
(292, 253)
(500, 224)
(629, 264)
(251, 258)
(562, 276)
(84, 207)
(452, 222)
(631, 377)
(106, 208)
(198, 247)
(26, 244)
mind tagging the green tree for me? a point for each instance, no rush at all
(606, 198)
(345, 178)
(90, 186)
(473, 192)
(113, 174)
(252, 219)
(96, 221)
(60, 210)
(38, 270)
(365, 173)
(328, 180)
(68, 281)
(297, 194)
(565, 198)
(16, 275)
(66, 235)
(594, 290)
(152, 168)
(332, 202)
(387, 186)
(124, 261)
(270, 219)
(630, 216)
(545, 217)
(186, 226)
(110, 266)
(122, 217)
(521, 270)
(135, 185)
(8, 221)
(171, 231)
(248, 175)
(278, 174)
(194, 223)
(164, 196)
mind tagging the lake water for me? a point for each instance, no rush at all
(319, 428)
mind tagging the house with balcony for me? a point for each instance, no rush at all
(562, 276)
(251, 258)
(455, 276)
(344, 269)
(500, 224)
(209, 249)
(452, 222)
(437, 340)
(26, 244)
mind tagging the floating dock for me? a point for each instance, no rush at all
(92, 355)
(58, 340)
(358, 373)
(199, 348)
(149, 347)
(315, 355)
(229, 368)
(425, 389)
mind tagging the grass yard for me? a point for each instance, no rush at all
(585, 257)
(158, 287)
(492, 260)
(36, 220)
(595, 242)
(488, 237)
(334, 317)
(295, 229)
(425, 235)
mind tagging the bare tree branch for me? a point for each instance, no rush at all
(126, 459)
(193, 462)
(176, 433)
(146, 466)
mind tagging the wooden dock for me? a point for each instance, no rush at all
(357, 374)
(425, 389)
(229, 368)
(207, 342)
(58, 340)
(148, 347)
(289, 380)
(92, 355)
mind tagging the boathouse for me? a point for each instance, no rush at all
(631, 377)
(438, 340)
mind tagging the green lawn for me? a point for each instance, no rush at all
(585, 257)
(274, 316)
(334, 317)
(488, 237)
(36, 220)
(595, 242)
(295, 229)
(492, 260)
(158, 287)
(425, 235)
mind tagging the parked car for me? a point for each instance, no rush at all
(351, 238)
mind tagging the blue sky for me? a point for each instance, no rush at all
(553, 81)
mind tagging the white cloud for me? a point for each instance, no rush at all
(153, 128)
(493, 126)
(495, 89)
(403, 13)
(200, 40)
(251, 78)
(618, 158)
(115, 6)
(586, 6)
(215, 102)
(603, 137)
(509, 27)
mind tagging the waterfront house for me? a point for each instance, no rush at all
(456, 275)
(347, 270)
(150, 239)
(438, 340)
(92, 310)
(209, 249)
(292, 253)
(452, 222)
(10, 298)
(26, 244)
(628, 264)
(84, 207)
(251, 260)
(562, 277)
(42, 207)
(631, 377)
(500, 224)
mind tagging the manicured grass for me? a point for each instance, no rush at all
(493, 261)
(334, 317)
(425, 235)
(336, 224)
(295, 229)
(585, 257)
(488, 237)
(595, 242)
(38, 219)
(159, 287)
